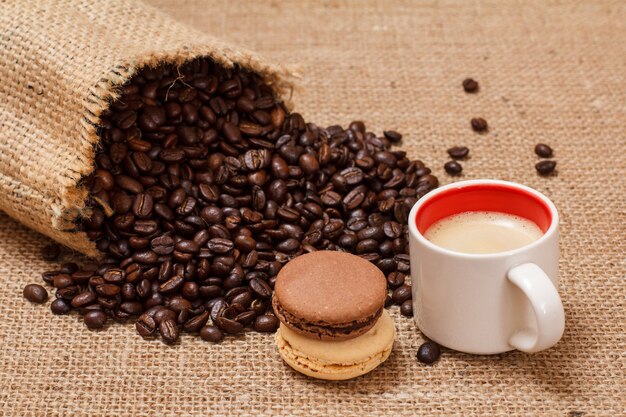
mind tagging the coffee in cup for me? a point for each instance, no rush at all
(483, 232)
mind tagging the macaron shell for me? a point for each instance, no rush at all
(330, 287)
(337, 360)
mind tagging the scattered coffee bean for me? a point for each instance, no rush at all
(401, 294)
(145, 325)
(392, 136)
(428, 352)
(395, 280)
(453, 167)
(470, 86)
(543, 150)
(95, 319)
(479, 124)
(60, 306)
(50, 252)
(266, 323)
(458, 152)
(406, 308)
(169, 331)
(211, 334)
(545, 167)
(35, 293)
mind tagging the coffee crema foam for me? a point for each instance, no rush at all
(483, 232)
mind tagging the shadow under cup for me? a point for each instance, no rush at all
(465, 301)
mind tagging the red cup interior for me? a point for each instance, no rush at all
(484, 197)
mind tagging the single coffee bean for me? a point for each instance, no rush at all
(458, 152)
(260, 288)
(60, 306)
(395, 280)
(392, 136)
(83, 299)
(228, 325)
(211, 334)
(169, 331)
(95, 319)
(50, 252)
(470, 86)
(543, 150)
(545, 167)
(401, 294)
(406, 308)
(479, 124)
(146, 325)
(453, 167)
(428, 352)
(196, 323)
(164, 314)
(266, 323)
(35, 293)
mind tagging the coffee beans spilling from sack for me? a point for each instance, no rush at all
(205, 186)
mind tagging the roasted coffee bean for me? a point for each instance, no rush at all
(196, 323)
(50, 252)
(35, 293)
(146, 325)
(220, 245)
(62, 281)
(164, 314)
(143, 205)
(60, 306)
(169, 331)
(453, 167)
(543, 150)
(266, 323)
(83, 299)
(479, 124)
(401, 294)
(309, 163)
(260, 288)
(113, 276)
(406, 308)
(95, 319)
(458, 152)
(545, 167)
(395, 280)
(470, 86)
(211, 334)
(392, 136)
(228, 325)
(428, 352)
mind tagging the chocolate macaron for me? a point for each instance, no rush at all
(329, 295)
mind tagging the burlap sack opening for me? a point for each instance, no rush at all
(61, 64)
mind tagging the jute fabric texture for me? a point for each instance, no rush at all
(549, 72)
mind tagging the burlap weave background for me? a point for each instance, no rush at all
(552, 72)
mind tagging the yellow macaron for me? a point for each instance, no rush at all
(337, 360)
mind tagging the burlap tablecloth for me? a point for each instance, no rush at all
(551, 73)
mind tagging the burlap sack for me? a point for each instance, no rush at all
(60, 64)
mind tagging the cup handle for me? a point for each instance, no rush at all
(546, 303)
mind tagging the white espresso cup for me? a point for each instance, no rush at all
(494, 302)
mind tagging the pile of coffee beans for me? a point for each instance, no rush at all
(206, 185)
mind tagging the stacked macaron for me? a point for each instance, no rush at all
(331, 308)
